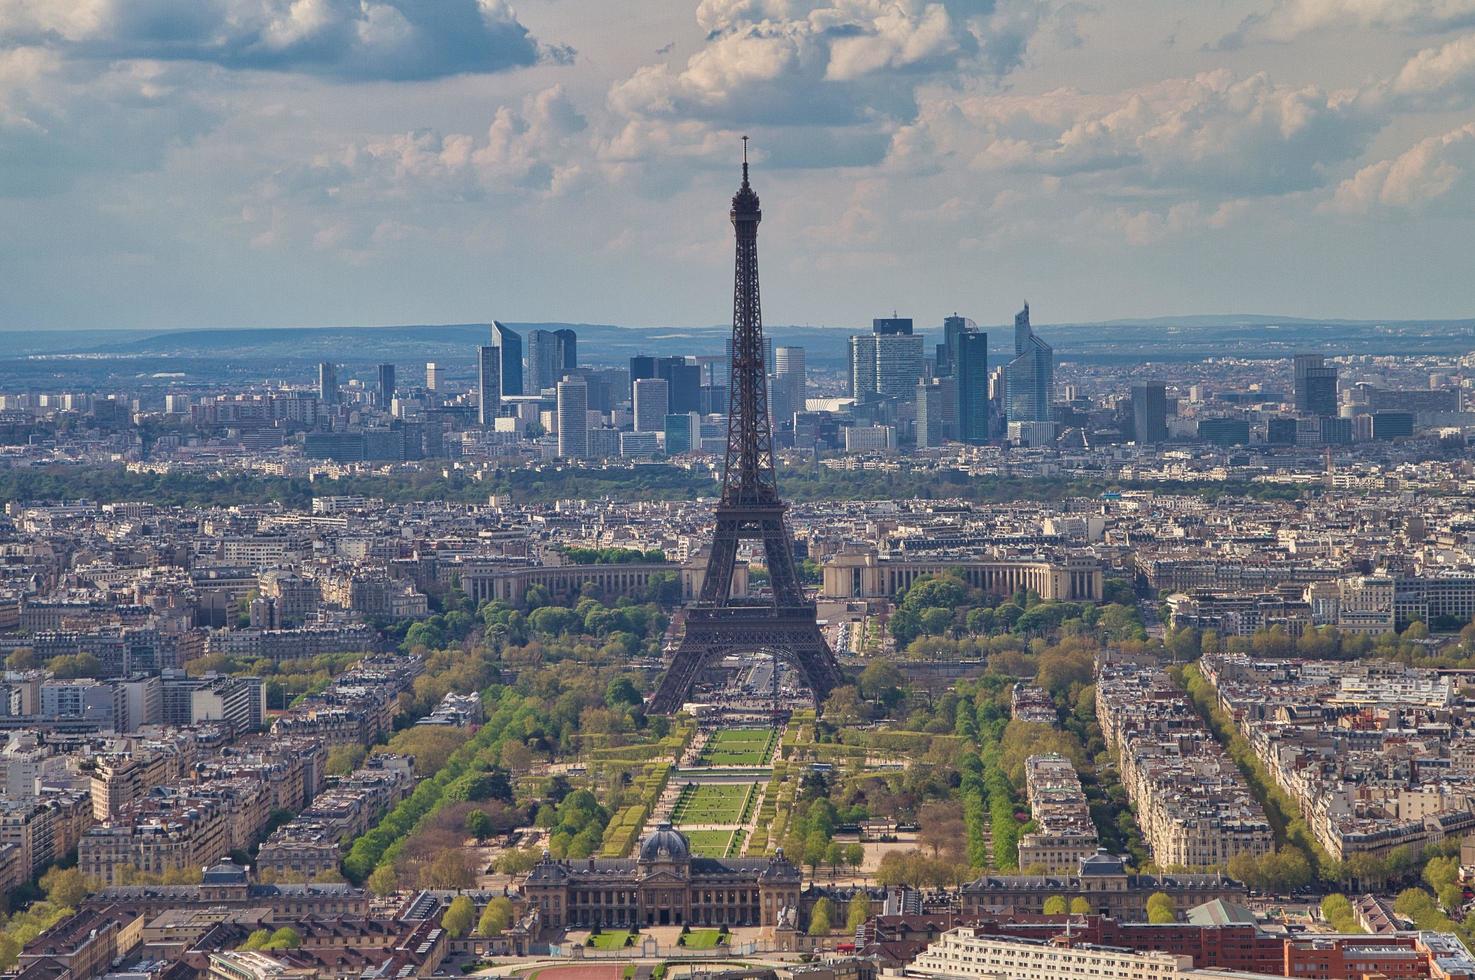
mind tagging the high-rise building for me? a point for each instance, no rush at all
(1029, 379)
(1315, 385)
(685, 379)
(887, 361)
(683, 433)
(1150, 413)
(328, 383)
(386, 386)
(929, 413)
(544, 361)
(969, 360)
(573, 419)
(652, 403)
(488, 384)
(568, 349)
(432, 376)
(788, 384)
(953, 327)
(509, 346)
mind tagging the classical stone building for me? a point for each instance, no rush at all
(664, 885)
(1103, 880)
(861, 573)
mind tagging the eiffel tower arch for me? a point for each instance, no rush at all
(750, 509)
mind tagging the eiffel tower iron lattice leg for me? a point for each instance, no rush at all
(750, 509)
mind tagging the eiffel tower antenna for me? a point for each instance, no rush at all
(750, 509)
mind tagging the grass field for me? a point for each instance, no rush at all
(703, 939)
(614, 939)
(710, 843)
(739, 747)
(719, 803)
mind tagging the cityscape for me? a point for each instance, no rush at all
(981, 642)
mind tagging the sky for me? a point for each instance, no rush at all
(196, 163)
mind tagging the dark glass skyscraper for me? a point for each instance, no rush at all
(509, 347)
(386, 386)
(1316, 385)
(970, 361)
(1150, 413)
(568, 349)
(1029, 379)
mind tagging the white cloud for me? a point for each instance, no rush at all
(1444, 74)
(1436, 169)
(59, 122)
(348, 39)
(1288, 20)
(846, 70)
(1215, 133)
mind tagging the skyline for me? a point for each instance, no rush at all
(402, 162)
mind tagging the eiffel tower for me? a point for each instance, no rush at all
(750, 509)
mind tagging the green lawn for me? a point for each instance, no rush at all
(739, 747)
(710, 843)
(614, 939)
(703, 939)
(720, 803)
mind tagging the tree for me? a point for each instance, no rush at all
(284, 938)
(70, 666)
(1055, 905)
(21, 658)
(495, 918)
(858, 913)
(1160, 909)
(1080, 906)
(479, 825)
(819, 918)
(855, 855)
(344, 759)
(459, 917)
(450, 869)
(64, 887)
(257, 939)
(383, 881)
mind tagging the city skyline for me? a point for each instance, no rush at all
(1136, 161)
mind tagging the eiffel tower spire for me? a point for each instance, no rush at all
(750, 509)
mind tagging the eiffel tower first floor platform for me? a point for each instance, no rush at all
(713, 632)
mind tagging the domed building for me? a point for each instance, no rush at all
(664, 884)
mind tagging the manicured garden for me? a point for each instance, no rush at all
(613, 939)
(712, 803)
(739, 747)
(704, 939)
(710, 843)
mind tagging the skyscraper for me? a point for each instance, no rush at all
(573, 419)
(386, 386)
(652, 402)
(544, 365)
(970, 371)
(488, 384)
(1315, 385)
(568, 349)
(328, 383)
(509, 345)
(1150, 413)
(432, 376)
(685, 379)
(953, 327)
(789, 385)
(1029, 379)
(887, 361)
(929, 413)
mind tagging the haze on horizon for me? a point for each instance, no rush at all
(184, 163)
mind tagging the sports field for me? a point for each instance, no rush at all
(739, 747)
(712, 803)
